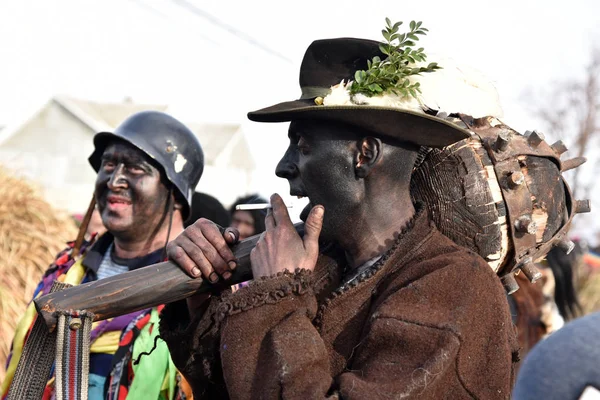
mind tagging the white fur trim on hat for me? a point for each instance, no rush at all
(451, 89)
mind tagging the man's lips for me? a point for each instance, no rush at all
(301, 195)
(118, 199)
(297, 193)
(117, 202)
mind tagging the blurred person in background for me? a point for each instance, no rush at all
(589, 280)
(564, 366)
(248, 222)
(542, 308)
(207, 206)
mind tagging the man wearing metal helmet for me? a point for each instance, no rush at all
(147, 170)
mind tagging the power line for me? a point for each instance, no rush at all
(149, 8)
(215, 21)
(159, 13)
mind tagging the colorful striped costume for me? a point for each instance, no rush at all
(115, 343)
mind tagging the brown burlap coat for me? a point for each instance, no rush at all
(429, 320)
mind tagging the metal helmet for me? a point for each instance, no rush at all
(167, 141)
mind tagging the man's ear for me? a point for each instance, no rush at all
(369, 153)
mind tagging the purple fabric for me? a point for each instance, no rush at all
(50, 278)
(115, 324)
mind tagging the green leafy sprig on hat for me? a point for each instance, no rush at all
(391, 74)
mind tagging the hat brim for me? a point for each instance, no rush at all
(102, 140)
(405, 125)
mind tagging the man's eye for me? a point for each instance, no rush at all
(303, 147)
(136, 169)
(107, 164)
(304, 150)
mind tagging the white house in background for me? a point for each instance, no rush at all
(51, 147)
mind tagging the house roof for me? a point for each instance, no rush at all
(219, 139)
(216, 139)
(104, 116)
(97, 116)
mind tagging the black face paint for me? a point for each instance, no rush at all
(130, 194)
(319, 163)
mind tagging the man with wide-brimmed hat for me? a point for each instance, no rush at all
(372, 302)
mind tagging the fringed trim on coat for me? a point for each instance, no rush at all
(265, 290)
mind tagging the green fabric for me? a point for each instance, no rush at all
(154, 375)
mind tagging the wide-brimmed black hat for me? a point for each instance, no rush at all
(329, 61)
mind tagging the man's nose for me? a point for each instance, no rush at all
(117, 179)
(287, 168)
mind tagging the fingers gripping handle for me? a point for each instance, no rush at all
(146, 287)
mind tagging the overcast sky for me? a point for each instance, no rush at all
(216, 60)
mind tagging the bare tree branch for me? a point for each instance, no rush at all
(571, 111)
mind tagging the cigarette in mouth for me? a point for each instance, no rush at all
(259, 206)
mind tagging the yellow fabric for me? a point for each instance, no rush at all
(74, 276)
(18, 340)
(108, 342)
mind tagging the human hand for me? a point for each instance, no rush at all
(202, 249)
(280, 247)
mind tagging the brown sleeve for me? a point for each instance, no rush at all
(269, 346)
(420, 364)
(270, 349)
(198, 347)
(194, 347)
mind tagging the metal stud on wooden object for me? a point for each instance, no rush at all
(510, 283)
(582, 206)
(566, 245)
(559, 147)
(573, 163)
(516, 179)
(502, 141)
(530, 270)
(534, 138)
(525, 224)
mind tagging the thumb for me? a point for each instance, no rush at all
(312, 229)
(231, 235)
